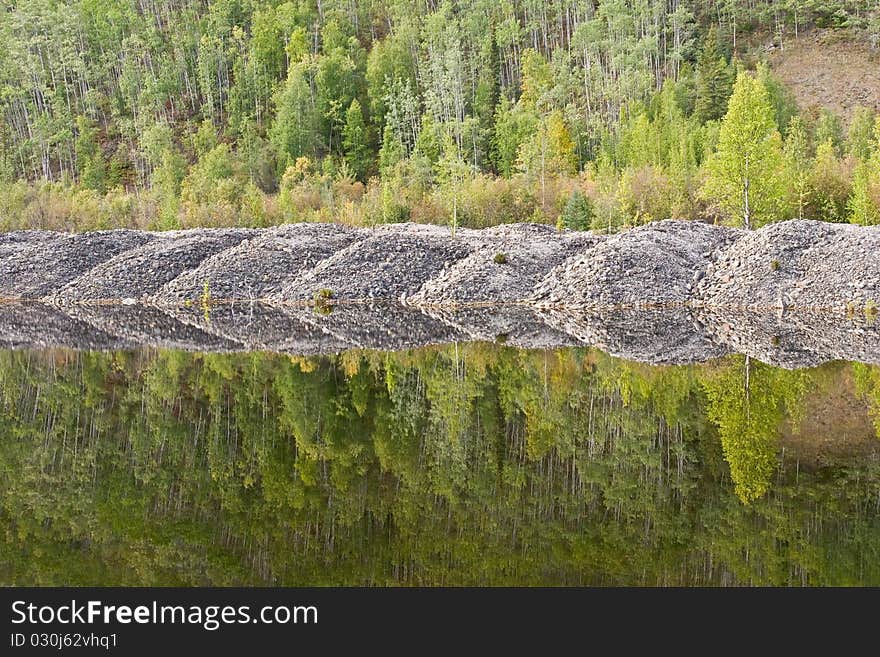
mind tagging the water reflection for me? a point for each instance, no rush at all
(457, 464)
(657, 335)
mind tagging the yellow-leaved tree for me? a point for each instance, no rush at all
(745, 175)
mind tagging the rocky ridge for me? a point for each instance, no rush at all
(794, 293)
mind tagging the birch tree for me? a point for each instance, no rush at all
(744, 175)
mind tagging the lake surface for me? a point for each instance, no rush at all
(470, 463)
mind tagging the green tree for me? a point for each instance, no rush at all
(391, 153)
(338, 81)
(549, 153)
(860, 137)
(294, 132)
(578, 212)
(389, 64)
(256, 155)
(355, 141)
(864, 203)
(89, 158)
(452, 172)
(784, 105)
(830, 184)
(714, 80)
(798, 164)
(744, 175)
(829, 129)
(205, 138)
(514, 125)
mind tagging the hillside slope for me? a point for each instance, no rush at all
(830, 69)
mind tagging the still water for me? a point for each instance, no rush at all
(470, 463)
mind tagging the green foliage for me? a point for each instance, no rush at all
(578, 213)
(256, 156)
(798, 165)
(205, 138)
(745, 174)
(452, 170)
(860, 137)
(864, 203)
(90, 160)
(514, 126)
(829, 130)
(714, 80)
(550, 151)
(391, 153)
(116, 100)
(294, 132)
(537, 78)
(216, 176)
(389, 64)
(355, 141)
(831, 183)
(338, 80)
(784, 105)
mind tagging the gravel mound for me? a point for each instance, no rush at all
(513, 259)
(137, 273)
(260, 267)
(36, 264)
(654, 264)
(794, 294)
(796, 264)
(388, 264)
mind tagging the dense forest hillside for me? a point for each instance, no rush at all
(587, 113)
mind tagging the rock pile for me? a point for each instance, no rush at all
(794, 293)
(796, 264)
(656, 264)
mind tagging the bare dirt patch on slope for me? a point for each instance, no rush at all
(834, 69)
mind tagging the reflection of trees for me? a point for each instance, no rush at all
(867, 378)
(466, 465)
(748, 401)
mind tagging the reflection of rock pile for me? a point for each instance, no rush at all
(793, 339)
(671, 291)
(654, 335)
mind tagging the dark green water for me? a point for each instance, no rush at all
(467, 464)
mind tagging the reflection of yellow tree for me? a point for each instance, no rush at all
(867, 379)
(747, 401)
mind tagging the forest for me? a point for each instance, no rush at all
(467, 464)
(588, 114)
